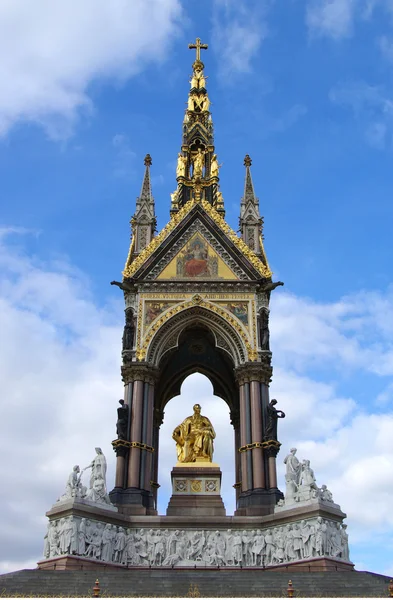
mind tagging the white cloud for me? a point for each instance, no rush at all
(50, 53)
(336, 19)
(59, 377)
(354, 332)
(60, 381)
(372, 107)
(124, 156)
(238, 32)
(288, 118)
(332, 18)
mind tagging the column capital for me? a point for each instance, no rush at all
(139, 372)
(271, 448)
(235, 418)
(158, 417)
(260, 371)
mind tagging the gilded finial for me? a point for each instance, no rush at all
(198, 47)
(247, 161)
(147, 161)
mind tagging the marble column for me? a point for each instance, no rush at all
(257, 435)
(272, 471)
(149, 437)
(122, 451)
(235, 420)
(249, 456)
(243, 438)
(136, 434)
(259, 493)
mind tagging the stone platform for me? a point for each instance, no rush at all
(196, 490)
(213, 582)
(301, 536)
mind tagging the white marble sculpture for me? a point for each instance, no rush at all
(301, 485)
(74, 487)
(96, 492)
(300, 540)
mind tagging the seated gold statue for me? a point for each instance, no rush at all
(194, 438)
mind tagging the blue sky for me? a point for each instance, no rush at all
(303, 86)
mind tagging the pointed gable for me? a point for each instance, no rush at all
(223, 248)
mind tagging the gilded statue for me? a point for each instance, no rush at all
(214, 166)
(194, 438)
(219, 200)
(191, 102)
(181, 165)
(205, 104)
(198, 79)
(198, 163)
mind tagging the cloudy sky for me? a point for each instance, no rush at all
(87, 89)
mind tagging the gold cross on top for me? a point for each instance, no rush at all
(198, 46)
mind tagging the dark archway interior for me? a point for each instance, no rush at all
(196, 352)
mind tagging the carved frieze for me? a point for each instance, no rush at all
(260, 547)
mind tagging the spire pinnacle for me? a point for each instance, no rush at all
(144, 220)
(146, 193)
(249, 193)
(247, 161)
(250, 219)
(197, 170)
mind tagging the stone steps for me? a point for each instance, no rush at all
(177, 582)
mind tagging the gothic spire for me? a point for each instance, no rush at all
(197, 164)
(144, 221)
(250, 221)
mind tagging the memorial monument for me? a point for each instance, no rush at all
(196, 299)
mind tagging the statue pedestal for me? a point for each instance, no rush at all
(196, 490)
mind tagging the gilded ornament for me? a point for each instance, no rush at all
(198, 46)
(135, 265)
(142, 351)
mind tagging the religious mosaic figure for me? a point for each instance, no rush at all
(194, 438)
(154, 309)
(195, 261)
(240, 310)
(271, 423)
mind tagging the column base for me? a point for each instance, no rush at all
(257, 502)
(133, 501)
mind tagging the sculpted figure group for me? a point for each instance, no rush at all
(130, 547)
(96, 492)
(300, 482)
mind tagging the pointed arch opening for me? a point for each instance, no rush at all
(198, 388)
